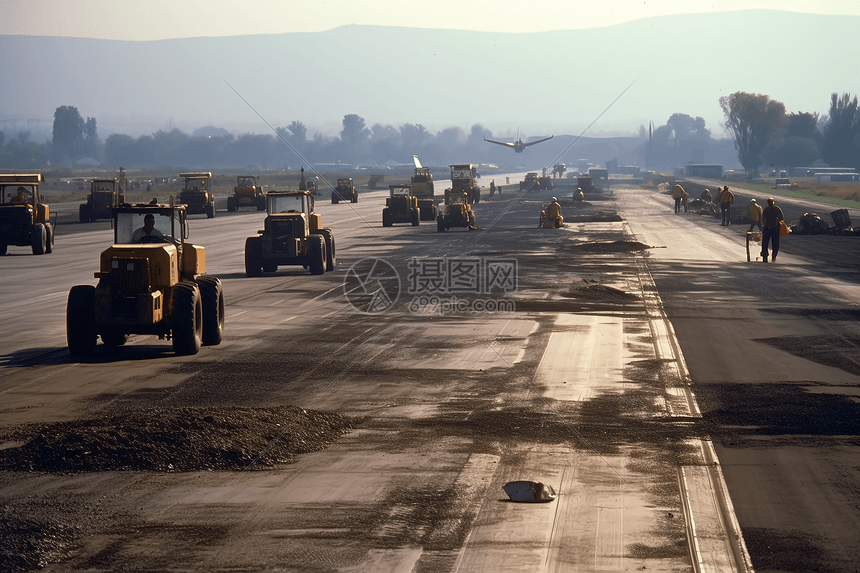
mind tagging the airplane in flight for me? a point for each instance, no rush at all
(518, 145)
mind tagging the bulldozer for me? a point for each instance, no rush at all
(463, 180)
(104, 195)
(24, 220)
(150, 281)
(423, 190)
(401, 206)
(345, 191)
(197, 193)
(246, 193)
(292, 234)
(457, 213)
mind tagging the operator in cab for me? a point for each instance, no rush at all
(148, 233)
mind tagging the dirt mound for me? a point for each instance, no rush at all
(175, 439)
(609, 247)
(599, 292)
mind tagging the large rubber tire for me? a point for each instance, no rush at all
(80, 321)
(253, 256)
(416, 217)
(49, 238)
(355, 196)
(3, 248)
(186, 318)
(334, 198)
(316, 254)
(330, 253)
(386, 217)
(212, 298)
(210, 210)
(231, 204)
(83, 214)
(37, 239)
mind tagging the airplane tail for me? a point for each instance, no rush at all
(417, 163)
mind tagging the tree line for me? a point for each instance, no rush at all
(762, 132)
(765, 135)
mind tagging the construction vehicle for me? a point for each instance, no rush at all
(104, 195)
(197, 194)
(533, 182)
(375, 179)
(345, 191)
(151, 281)
(583, 182)
(423, 190)
(24, 220)
(292, 234)
(401, 206)
(463, 180)
(247, 193)
(457, 213)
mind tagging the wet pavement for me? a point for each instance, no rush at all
(582, 385)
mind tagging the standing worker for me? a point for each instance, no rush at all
(770, 218)
(726, 200)
(755, 215)
(679, 195)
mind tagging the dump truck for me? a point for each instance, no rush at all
(464, 180)
(345, 191)
(150, 281)
(424, 191)
(292, 234)
(197, 194)
(401, 206)
(457, 213)
(247, 193)
(104, 195)
(24, 220)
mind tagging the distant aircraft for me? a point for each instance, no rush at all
(518, 145)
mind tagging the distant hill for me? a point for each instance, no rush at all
(545, 83)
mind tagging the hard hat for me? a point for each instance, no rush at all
(554, 199)
(752, 200)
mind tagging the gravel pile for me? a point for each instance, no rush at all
(173, 439)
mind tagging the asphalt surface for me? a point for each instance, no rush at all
(580, 384)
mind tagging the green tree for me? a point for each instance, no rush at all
(354, 130)
(840, 144)
(68, 131)
(798, 146)
(752, 120)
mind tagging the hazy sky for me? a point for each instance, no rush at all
(161, 19)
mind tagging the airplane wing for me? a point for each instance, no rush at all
(505, 143)
(538, 141)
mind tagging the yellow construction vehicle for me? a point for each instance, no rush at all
(424, 190)
(197, 193)
(24, 220)
(151, 281)
(292, 234)
(457, 213)
(401, 206)
(247, 193)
